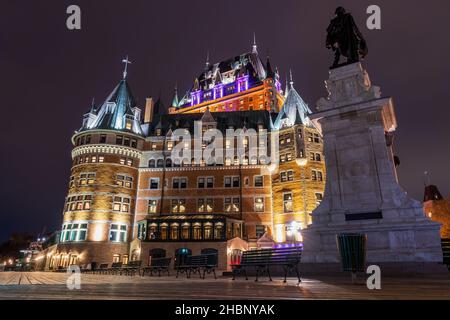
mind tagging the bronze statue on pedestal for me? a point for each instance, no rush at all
(344, 38)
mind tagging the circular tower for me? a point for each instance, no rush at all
(99, 207)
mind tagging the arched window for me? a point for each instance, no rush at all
(160, 163)
(208, 235)
(197, 231)
(151, 163)
(174, 231)
(218, 230)
(185, 231)
(168, 162)
(163, 231)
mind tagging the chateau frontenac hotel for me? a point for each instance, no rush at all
(127, 198)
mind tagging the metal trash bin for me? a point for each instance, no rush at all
(352, 250)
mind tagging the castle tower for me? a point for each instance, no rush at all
(99, 207)
(299, 180)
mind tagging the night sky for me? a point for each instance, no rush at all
(49, 75)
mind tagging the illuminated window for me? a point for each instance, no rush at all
(208, 231)
(197, 232)
(153, 146)
(86, 178)
(287, 202)
(218, 231)
(129, 162)
(121, 204)
(259, 204)
(163, 231)
(310, 136)
(74, 232)
(283, 176)
(101, 159)
(116, 258)
(205, 205)
(124, 181)
(178, 206)
(78, 203)
(185, 231)
(227, 161)
(169, 145)
(152, 206)
(118, 233)
(128, 125)
(290, 175)
(72, 181)
(174, 232)
(231, 205)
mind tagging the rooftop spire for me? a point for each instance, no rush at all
(93, 105)
(292, 81)
(207, 60)
(255, 47)
(287, 88)
(175, 98)
(126, 62)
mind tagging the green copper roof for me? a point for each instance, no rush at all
(117, 109)
(294, 111)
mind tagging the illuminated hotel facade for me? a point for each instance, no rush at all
(129, 200)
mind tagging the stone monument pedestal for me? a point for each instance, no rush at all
(362, 193)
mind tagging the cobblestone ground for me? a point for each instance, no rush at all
(46, 285)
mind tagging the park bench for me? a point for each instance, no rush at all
(115, 268)
(206, 263)
(446, 251)
(131, 268)
(157, 265)
(262, 259)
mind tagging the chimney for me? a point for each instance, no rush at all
(149, 104)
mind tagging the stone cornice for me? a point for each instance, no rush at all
(106, 149)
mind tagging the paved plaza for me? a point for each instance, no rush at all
(46, 285)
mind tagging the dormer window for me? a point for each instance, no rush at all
(128, 125)
(158, 132)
